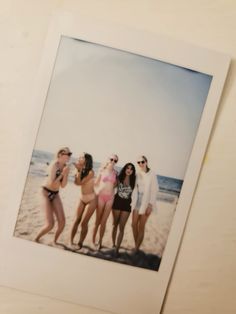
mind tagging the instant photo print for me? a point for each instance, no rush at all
(122, 96)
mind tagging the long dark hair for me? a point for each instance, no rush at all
(145, 158)
(122, 174)
(88, 165)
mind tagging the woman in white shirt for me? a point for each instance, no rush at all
(143, 199)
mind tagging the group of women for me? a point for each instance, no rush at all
(123, 193)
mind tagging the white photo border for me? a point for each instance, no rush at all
(89, 281)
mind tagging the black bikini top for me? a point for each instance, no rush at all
(58, 173)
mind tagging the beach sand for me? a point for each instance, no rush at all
(31, 219)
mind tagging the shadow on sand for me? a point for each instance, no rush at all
(127, 257)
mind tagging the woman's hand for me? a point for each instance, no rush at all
(65, 171)
(148, 210)
(77, 165)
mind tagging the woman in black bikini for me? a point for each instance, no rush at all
(57, 177)
(121, 207)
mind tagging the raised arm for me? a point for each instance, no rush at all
(78, 180)
(98, 178)
(54, 180)
(65, 173)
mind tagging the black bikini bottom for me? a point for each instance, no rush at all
(51, 194)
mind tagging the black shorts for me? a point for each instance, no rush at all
(123, 204)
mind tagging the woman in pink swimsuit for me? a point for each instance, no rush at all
(88, 198)
(106, 182)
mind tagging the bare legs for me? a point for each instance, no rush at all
(119, 219)
(138, 226)
(99, 213)
(103, 211)
(59, 212)
(77, 220)
(51, 208)
(54, 210)
(116, 218)
(84, 225)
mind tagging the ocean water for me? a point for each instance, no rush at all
(171, 185)
(41, 159)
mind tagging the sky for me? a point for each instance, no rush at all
(103, 101)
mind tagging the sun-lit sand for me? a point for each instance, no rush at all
(31, 219)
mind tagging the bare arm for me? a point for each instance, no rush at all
(134, 195)
(78, 180)
(53, 180)
(65, 173)
(98, 178)
(117, 180)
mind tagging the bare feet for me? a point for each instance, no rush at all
(135, 251)
(80, 245)
(36, 239)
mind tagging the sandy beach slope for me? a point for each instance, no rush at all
(31, 219)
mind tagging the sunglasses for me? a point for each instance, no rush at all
(67, 154)
(112, 159)
(141, 162)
